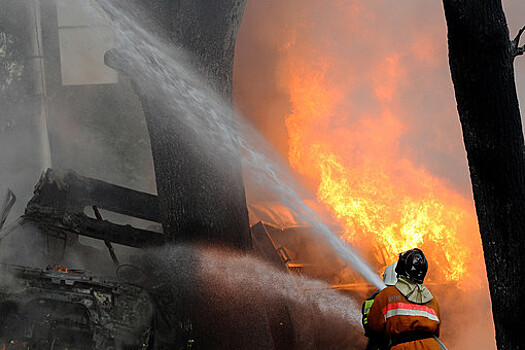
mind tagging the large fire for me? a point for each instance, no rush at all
(381, 198)
(354, 123)
(358, 95)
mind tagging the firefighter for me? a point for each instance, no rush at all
(377, 341)
(407, 313)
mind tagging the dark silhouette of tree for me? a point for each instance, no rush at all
(201, 192)
(481, 61)
(201, 195)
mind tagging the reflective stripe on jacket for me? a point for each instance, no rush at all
(392, 314)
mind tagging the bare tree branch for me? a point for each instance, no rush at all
(516, 49)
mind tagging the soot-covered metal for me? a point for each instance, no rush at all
(45, 304)
(47, 309)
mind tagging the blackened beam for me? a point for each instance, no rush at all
(51, 220)
(65, 190)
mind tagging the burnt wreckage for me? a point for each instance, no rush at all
(47, 302)
(69, 281)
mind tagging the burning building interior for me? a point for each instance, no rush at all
(164, 219)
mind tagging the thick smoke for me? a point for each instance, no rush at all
(95, 128)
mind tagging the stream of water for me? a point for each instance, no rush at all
(163, 72)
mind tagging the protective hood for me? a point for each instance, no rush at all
(414, 292)
(390, 276)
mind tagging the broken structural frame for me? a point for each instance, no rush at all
(61, 196)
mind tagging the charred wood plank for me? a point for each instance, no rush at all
(52, 220)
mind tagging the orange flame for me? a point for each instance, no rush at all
(372, 125)
(61, 269)
(381, 197)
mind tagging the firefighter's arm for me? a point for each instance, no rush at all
(376, 319)
(364, 315)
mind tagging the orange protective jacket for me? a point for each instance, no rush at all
(393, 314)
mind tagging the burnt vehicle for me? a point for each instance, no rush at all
(62, 285)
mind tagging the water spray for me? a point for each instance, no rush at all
(35, 60)
(168, 78)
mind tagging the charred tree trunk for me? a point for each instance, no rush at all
(201, 196)
(200, 191)
(481, 62)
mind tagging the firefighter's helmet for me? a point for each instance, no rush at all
(413, 265)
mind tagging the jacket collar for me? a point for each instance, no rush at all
(412, 291)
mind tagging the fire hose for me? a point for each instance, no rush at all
(441, 345)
